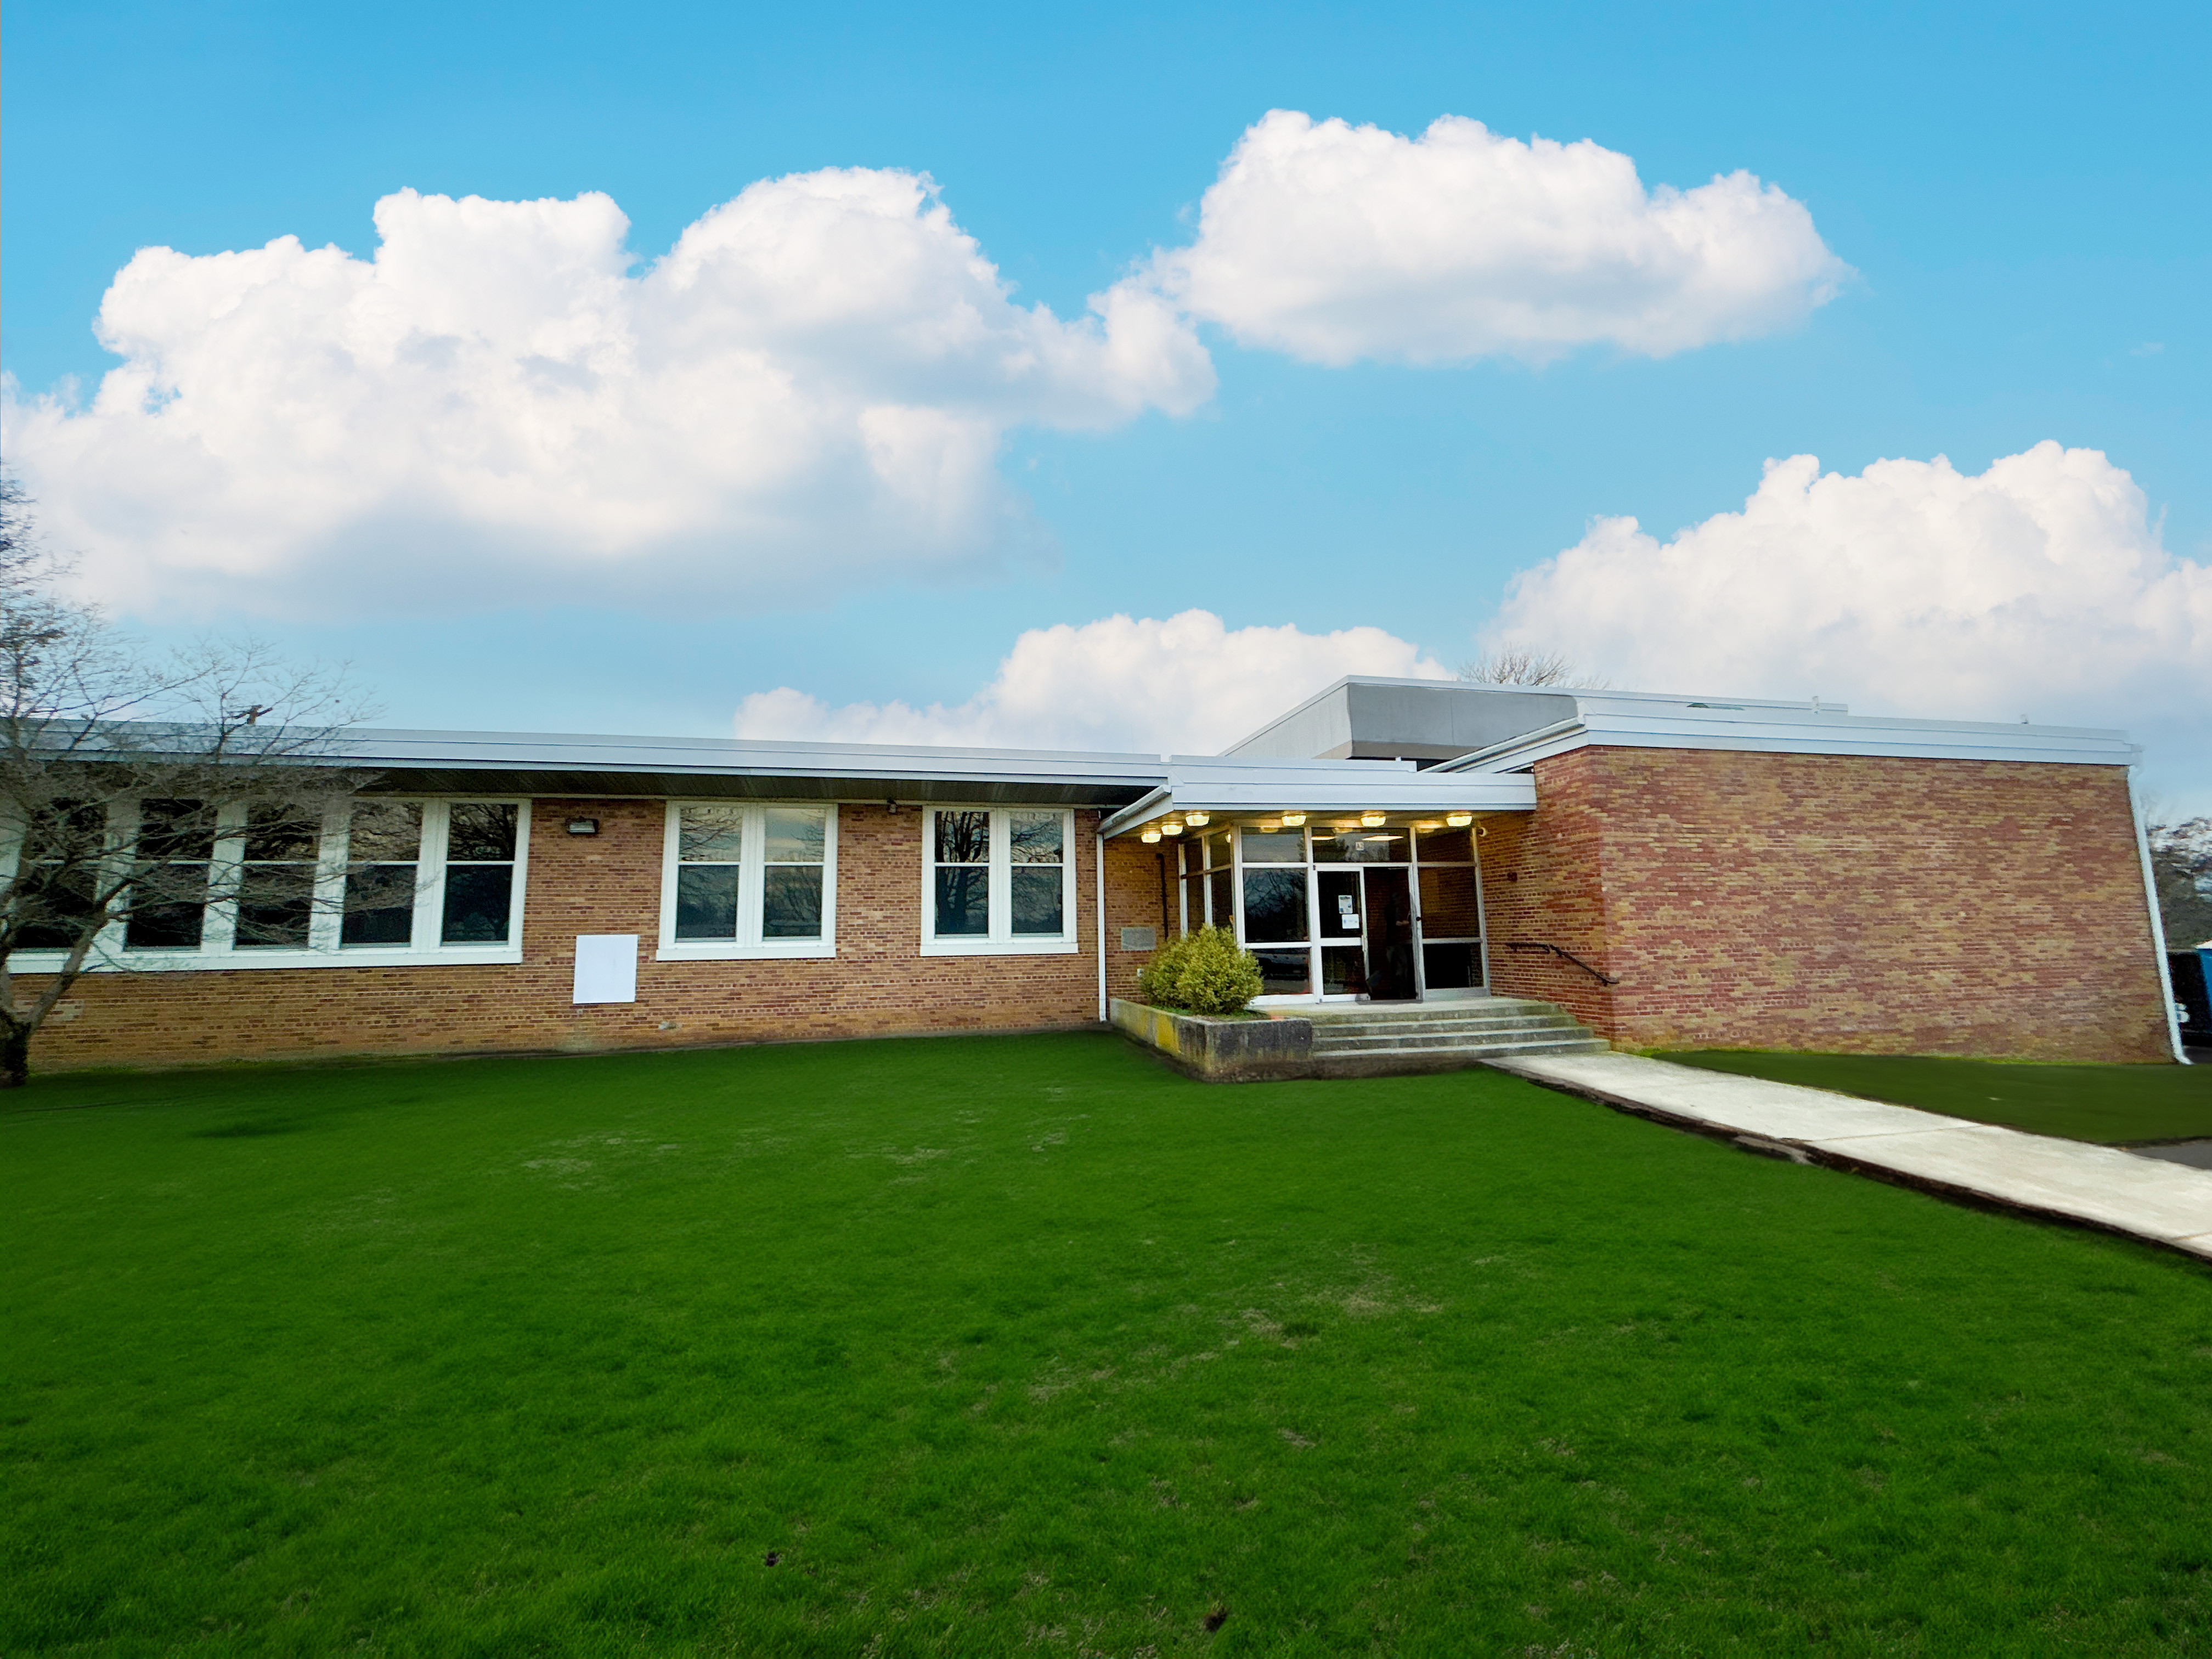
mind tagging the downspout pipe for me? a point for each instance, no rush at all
(1099, 904)
(2157, 923)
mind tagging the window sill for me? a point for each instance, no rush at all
(797, 949)
(1000, 947)
(250, 960)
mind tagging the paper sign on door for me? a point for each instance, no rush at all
(1346, 916)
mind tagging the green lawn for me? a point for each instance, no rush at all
(1026, 1345)
(2118, 1105)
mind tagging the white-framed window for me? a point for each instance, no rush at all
(998, 881)
(745, 880)
(379, 881)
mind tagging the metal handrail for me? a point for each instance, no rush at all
(1533, 945)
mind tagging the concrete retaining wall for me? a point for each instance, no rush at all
(1215, 1050)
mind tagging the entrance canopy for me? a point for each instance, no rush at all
(1243, 790)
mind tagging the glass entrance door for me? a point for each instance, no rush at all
(1390, 937)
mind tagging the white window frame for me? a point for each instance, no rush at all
(218, 948)
(749, 945)
(1001, 941)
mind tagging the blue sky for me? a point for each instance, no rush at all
(2022, 193)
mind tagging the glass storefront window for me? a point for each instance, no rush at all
(1446, 846)
(1353, 845)
(1221, 897)
(1448, 905)
(1343, 971)
(1274, 907)
(1278, 846)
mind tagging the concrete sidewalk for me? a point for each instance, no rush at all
(2168, 1204)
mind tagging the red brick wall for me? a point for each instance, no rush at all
(1133, 900)
(1842, 902)
(608, 884)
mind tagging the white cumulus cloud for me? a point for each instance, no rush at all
(1333, 242)
(1188, 684)
(2038, 587)
(810, 386)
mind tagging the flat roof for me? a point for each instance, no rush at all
(1608, 720)
(571, 763)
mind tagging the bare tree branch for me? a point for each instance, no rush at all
(1521, 665)
(2181, 870)
(141, 792)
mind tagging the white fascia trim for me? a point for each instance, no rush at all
(992, 947)
(1846, 735)
(2157, 927)
(251, 960)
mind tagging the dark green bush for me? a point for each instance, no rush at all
(1207, 972)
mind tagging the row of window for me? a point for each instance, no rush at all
(445, 875)
(404, 875)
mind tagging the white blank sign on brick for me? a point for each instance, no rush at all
(606, 968)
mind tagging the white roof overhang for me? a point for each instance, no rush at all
(1210, 784)
(1767, 731)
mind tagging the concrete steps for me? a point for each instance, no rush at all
(1367, 1040)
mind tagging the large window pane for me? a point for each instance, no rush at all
(275, 906)
(276, 885)
(963, 902)
(794, 834)
(1281, 846)
(791, 902)
(1037, 901)
(281, 835)
(707, 901)
(56, 903)
(482, 832)
(385, 832)
(477, 904)
(710, 835)
(380, 905)
(1447, 906)
(179, 829)
(169, 905)
(1274, 906)
(385, 839)
(1283, 973)
(1035, 837)
(963, 837)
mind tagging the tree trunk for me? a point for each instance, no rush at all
(15, 1056)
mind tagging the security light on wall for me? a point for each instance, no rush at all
(583, 826)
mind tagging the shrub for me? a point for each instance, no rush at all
(1207, 972)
